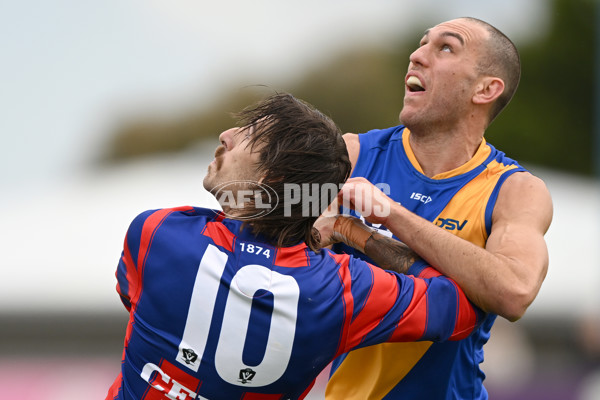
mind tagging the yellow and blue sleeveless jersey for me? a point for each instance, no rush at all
(218, 313)
(460, 201)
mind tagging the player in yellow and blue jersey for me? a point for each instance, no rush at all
(473, 213)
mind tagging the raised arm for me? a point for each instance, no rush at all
(505, 277)
(386, 252)
(401, 307)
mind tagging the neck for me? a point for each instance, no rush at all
(441, 152)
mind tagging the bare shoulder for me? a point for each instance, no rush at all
(524, 196)
(353, 146)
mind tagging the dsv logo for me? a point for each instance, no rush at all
(451, 224)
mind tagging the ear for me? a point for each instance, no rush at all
(488, 90)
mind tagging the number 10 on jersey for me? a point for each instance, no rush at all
(234, 327)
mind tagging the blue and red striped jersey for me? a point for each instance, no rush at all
(218, 313)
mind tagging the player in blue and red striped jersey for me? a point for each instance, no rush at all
(241, 304)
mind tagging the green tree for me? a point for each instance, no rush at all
(550, 120)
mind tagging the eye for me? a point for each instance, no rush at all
(447, 48)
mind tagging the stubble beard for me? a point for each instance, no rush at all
(428, 121)
(212, 170)
(418, 122)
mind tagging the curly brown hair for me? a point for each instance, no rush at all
(299, 146)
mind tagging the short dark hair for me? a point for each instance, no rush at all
(500, 59)
(297, 145)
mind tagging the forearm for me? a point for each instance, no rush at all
(494, 282)
(389, 253)
(386, 252)
(502, 278)
(474, 269)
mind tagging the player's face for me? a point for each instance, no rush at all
(442, 75)
(235, 160)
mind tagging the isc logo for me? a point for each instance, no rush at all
(451, 224)
(421, 197)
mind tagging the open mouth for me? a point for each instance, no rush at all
(414, 84)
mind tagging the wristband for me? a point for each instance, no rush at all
(353, 232)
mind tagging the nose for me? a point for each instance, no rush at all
(226, 138)
(418, 56)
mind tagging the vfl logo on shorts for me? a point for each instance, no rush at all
(246, 375)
